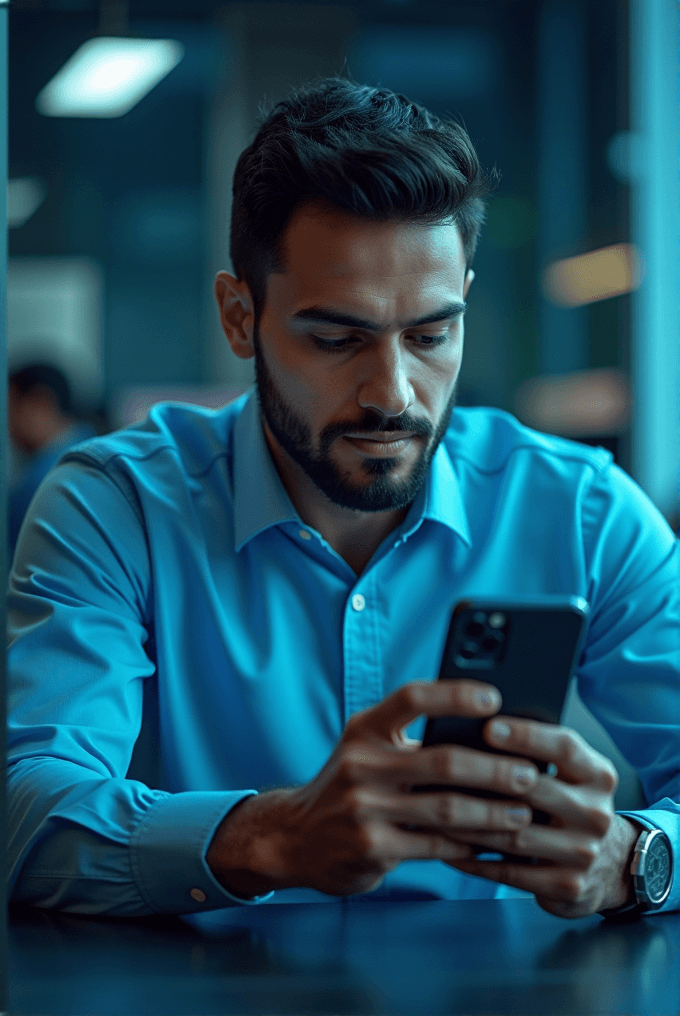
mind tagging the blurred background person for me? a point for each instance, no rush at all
(42, 425)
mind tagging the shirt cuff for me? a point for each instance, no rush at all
(168, 848)
(665, 816)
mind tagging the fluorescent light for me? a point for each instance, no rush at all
(108, 76)
(597, 275)
(25, 194)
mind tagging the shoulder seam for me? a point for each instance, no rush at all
(101, 462)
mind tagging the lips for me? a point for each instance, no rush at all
(382, 438)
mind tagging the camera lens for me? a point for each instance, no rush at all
(469, 650)
(492, 642)
(474, 628)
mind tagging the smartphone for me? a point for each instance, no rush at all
(529, 651)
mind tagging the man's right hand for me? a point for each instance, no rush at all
(358, 819)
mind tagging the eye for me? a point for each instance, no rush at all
(336, 345)
(328, 344)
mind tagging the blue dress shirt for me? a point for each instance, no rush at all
(170, 553)
(24, 486)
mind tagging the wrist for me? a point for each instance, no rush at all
(243, 854)
(622, 888)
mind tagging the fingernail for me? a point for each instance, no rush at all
(489, 698)
(500, 730)
(518, 815)
(523, 775)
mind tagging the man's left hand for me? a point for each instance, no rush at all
(584, 853)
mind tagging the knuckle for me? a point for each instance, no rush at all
(572, 887)
(446, 764)
(356, 802)
(498, 816)
(445, 810)
(503, 774)
(585, 854)
(570, 749)
(610, 776)
(413, 695)
(352, 763)
(371, 841)
(519, 842)
(599, 820)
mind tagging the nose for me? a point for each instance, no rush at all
(384, 384)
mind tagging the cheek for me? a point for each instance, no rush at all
(435, 379)
(305, 385)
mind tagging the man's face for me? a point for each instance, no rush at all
(389, 296)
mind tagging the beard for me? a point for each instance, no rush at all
(382, 491)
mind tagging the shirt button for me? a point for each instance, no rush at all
(358, 602)
(198, 895)
(305, 535)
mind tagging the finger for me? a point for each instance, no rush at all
(576, 760)
(448, 813)
(393, 845)
(565, 848)
(554, 882)
(457, 766)
(431, 698)
(576, 807)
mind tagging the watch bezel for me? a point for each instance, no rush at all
(638, 867)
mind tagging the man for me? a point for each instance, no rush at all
(285, 568)
(42, 426)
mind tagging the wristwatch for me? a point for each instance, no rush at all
(652, 871)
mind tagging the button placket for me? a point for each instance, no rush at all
(363, 677)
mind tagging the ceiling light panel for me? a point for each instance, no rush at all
(107, 76)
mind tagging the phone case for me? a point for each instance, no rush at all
(529, 650)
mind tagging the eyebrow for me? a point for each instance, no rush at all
(328, 316)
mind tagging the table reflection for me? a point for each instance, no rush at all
(478, 956)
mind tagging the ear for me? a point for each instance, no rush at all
(468, 281)
(237, 315)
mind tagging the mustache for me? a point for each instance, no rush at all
(374, 422)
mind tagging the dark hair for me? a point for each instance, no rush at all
(36, 375)
(365, 150)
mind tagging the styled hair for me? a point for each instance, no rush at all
(43, 375)
(367, 151)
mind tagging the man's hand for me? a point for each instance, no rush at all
(358, 819)
(586, 850)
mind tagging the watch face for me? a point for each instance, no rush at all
(657, 869)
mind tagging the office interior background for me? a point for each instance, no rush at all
(119, 222)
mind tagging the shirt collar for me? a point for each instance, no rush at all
(261, 500)
(443, 501)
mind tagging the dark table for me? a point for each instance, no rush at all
(352, 956)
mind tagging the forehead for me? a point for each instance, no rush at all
(330, 253)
